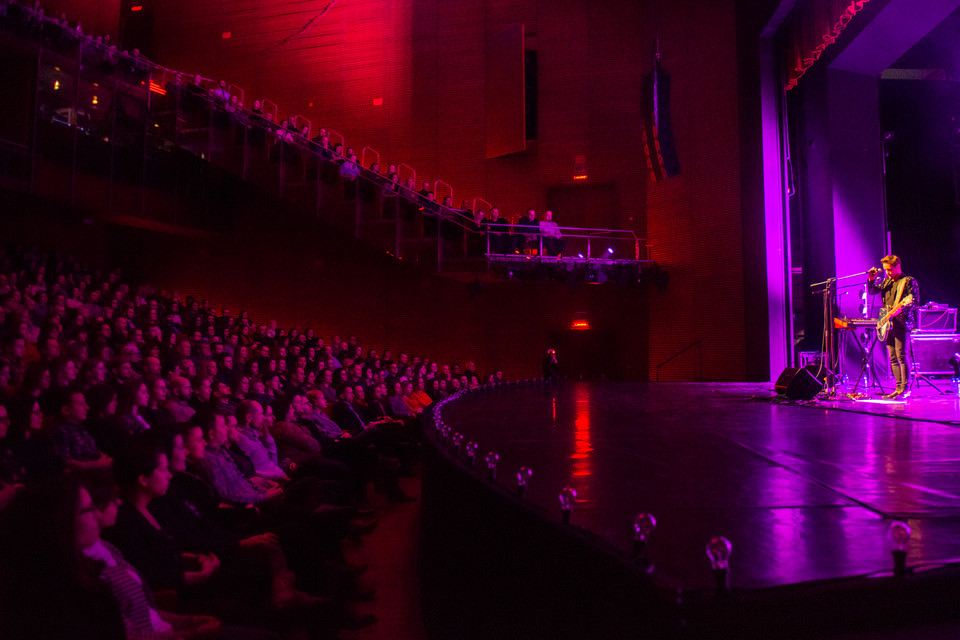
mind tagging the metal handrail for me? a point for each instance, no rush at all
(363, 156)
(330, 135)
(400, 168)
(231, 87)
(476, 201)
(436, 190)
(298, 122)
(276, 109)
(589, 234)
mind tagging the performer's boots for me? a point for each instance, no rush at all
(902, 376)
(898, 377)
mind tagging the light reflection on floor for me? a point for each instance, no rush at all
(803, 492)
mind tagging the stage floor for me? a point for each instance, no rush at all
(804, 491)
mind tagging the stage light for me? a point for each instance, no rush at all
(718, 550)
(609, 251)
(492, 460)
(568, 496)
(643, 526)
(523, 475)
(580, 255)
(899, 536)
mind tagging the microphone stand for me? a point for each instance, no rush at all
(831, 361)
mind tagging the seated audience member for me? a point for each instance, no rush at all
(221, 93)
(222, 472)
(203, 396)
(129, 588)
(257, 443)
(398, 406)
(377, 407)
(127, 423)
(497, 230)
(156, 414)
(244, 591)
(48, 588)
(29, 444)
(189, 513)
(71, 441)
(178, 401)
(142, 474)
(12, 472)
(525, 232)
(350, 172)
(392, 185)
(420, 394)
(552, 238)
(102, 403)
(413, 402)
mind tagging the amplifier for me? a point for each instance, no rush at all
(937, 319)
(932, 355)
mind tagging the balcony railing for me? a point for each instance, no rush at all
(118, 135)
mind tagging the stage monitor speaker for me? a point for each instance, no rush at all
(934, 319)
(798, 383)
(933, 355)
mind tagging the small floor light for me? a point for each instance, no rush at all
(472, 448)
(492, 460)
(523, 475)
(899, 535)
(458, 443)
(643, 526)
(567, 497)
(718, 550)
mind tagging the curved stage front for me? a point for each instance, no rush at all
(805, 492)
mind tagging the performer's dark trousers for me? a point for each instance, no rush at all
(898, 348)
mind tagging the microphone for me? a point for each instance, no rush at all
(872, 270)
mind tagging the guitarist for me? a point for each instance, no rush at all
(895, 289)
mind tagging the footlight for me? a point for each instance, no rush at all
(643, 526)
(492, 460)
(523, 475)
(718, 550)
(567, 497)
(472, 448)
(899, 535)
(458, 443)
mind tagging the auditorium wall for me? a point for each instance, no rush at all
(407, 78)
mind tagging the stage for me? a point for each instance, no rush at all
(804, 491)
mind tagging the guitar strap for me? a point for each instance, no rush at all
(899, 293)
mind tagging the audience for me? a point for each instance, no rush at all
(220, 500)
(95, 372)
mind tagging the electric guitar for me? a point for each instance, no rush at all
(883, 324)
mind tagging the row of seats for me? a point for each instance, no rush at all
(167, 468)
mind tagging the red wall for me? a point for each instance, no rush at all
(425, 59)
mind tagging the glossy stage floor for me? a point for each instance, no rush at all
(804, 491)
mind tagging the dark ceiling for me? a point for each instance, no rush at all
(940, 49)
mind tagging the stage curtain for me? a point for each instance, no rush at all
(812, 27)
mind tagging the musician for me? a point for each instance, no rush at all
(901, 294)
